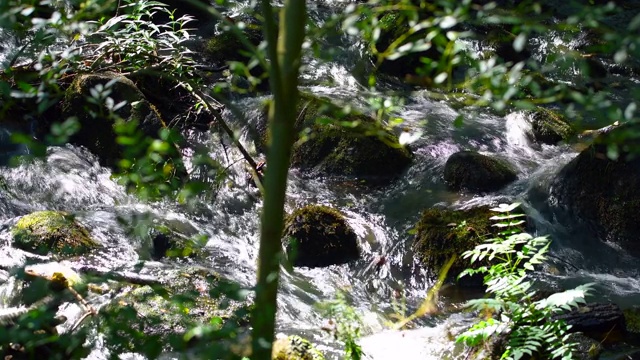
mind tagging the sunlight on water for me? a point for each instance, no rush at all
(70, 179)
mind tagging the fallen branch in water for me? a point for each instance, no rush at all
(125, 276)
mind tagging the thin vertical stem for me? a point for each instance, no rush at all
(283, 77)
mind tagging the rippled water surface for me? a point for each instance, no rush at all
(70, 179)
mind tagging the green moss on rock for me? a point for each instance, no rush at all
(392, 26)
(97, 133)
(550, 127)
(442, 234)
(632, 319)
(322, 237)
(469, 170)
(295, 348)
(55, 232)
(227, 47)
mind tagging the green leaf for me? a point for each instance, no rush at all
(520, 42)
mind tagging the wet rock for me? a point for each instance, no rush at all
(604, 192)
(603, 322)
(392, 26)
(585, 349)
(96, 131)
(52, 232)
(167, 242)
(442, 233)
(226, 46)
(322, 237)
(469, 170)
(294, 347)
(344, 145)
(361, 149)
(550, 127)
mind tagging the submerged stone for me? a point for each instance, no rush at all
(52, 232)
(470, 170)
(318, 236)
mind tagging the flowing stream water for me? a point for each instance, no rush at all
(70, 179)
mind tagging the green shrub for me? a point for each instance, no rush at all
(513, 309)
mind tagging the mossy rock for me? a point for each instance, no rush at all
(441, 234)
(604, 192)
(227, 47)
(97, 133)
(392, 26)
(632, 320)
(360, 149)
(167, 242)
(322, 237)
(550, 127)
(295, 348)
(52, 232)
(469, 170)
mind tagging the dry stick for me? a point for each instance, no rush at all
(428, 306)
(88, 309)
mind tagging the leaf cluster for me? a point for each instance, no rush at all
(514, 309)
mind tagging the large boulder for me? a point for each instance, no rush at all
(604, 192)
(351, 145)
(52, 232)
(442, 233)
(96, 131)
(472, 171)
(550, 127)
(318, 236)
